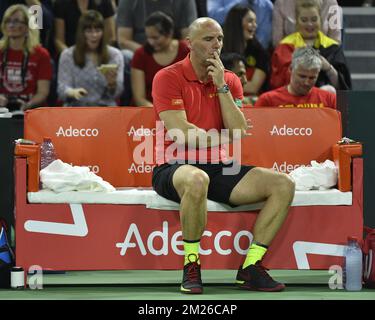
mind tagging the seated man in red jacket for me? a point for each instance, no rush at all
(301, 91)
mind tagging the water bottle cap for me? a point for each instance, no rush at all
(353, 239)
(47, 139)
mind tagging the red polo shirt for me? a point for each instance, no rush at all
(177, 87)
(38, 68)
(316, 98)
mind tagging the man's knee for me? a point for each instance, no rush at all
(284, 185)
(196, 184)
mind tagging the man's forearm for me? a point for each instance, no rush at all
(194, 137)
(36, 101)
(233, 118)
(333, 76)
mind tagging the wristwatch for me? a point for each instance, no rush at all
(223, 89)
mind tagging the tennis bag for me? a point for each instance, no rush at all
(6, 256)
(368, 249)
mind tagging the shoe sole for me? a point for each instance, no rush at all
(191, 291)
(278, 288)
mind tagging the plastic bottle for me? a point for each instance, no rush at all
(353, 265)
(47, 153)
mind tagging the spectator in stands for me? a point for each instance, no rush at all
(334, 73)
(25, 67)
(131, 16)
(45, 32)
(67, 14)
(195, 98)
(160, 50)
(239, 36)
(236, 63)
(301, 91)
(218, 10)
(91, 72)
(284, 19)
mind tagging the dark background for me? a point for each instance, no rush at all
(10, 130)
(358, 115)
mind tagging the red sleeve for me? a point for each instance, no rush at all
(235, 85)
(333, 102)
(138, 59)
(167, 92)
(44, 65)
(280, 62)
(263, 101)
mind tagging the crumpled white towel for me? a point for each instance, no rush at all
(320, 176)
(59, 176)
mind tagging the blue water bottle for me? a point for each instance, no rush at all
(353, 265)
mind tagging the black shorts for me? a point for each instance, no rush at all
(219, 189)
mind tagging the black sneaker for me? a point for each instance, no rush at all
(254, 277)
(191, 282)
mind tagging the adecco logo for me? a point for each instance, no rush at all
(285, 167)
(141, 168)
(74, 132)
(141, 132)
(139, 244)
(285, 131)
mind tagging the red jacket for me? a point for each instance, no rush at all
(328, 48)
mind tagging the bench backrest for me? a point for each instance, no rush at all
(118, 143)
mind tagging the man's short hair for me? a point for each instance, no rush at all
(307, 57)
(229, 59)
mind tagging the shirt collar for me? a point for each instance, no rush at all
(188, 70)
(320, 41)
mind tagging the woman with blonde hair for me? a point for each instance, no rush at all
(284, 19)
(25, 66)
(334, 74)
(91, 72)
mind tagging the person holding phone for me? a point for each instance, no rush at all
(91, 72)
(193, 99)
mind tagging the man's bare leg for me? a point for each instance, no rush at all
(191, 184)
(277, 190)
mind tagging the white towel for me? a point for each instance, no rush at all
(320, 176)
(61, 177)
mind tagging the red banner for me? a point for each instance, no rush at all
(118, 143)
(106, 236)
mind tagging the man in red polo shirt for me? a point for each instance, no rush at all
(301, 91)
(194, 98)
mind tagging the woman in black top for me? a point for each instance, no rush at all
(239, 36)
